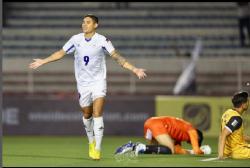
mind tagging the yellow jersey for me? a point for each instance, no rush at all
(232, 121)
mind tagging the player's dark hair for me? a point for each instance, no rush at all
(93, 17)
(200, 137)
(239, 98)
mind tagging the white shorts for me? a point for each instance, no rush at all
(87, 94)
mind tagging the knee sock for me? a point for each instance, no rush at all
(157, 149)
(98, 131)
(88, 125)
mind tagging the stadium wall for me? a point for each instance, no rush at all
(122, 116)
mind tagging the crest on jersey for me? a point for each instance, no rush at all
(234, 123)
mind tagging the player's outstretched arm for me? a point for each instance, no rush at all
(194, 142)
(39, 62)
(140, 73)
(221, 143)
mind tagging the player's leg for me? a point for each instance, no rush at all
(242, 153)
(98, 97)
(88, 122)
(87, 110)
(98, 121)
(88, 125)
(156, 131)
(98, 126)
(151, 149)
(166, 140)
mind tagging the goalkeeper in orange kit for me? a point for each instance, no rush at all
(165, 135)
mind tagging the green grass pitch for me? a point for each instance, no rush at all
(72, 151)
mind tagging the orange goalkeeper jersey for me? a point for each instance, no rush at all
(174, 127)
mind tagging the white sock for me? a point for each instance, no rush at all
(98, 131)
(88, 125)
(141, 147)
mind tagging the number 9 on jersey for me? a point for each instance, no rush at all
(86, 60)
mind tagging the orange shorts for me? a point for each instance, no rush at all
(153, 128)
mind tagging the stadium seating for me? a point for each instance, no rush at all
(144, 29)
(148, 30)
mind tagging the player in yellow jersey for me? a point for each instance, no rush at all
(232, 142)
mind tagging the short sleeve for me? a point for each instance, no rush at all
(108, 46)
(234, 123)
(148, 135)
(69, 46)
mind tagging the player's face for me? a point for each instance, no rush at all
(88, 25)
(246, 105)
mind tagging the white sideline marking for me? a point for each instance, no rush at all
(209, 159)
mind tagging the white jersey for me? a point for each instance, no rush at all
(90, 64)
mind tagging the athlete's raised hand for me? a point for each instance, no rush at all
(140, 73)
(37, 63)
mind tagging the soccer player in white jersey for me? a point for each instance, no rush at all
(90, 73)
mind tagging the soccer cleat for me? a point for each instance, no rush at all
(125, 148)
(96, 155)
(91, 149)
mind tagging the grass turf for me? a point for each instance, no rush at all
(72, 151)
